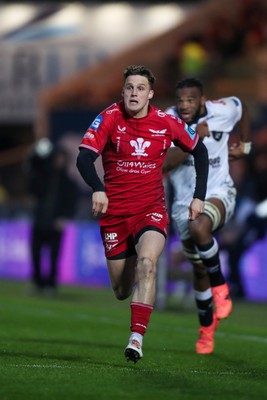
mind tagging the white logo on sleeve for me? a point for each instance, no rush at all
(140, 145)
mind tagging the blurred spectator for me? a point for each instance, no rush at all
(194, 58)
(55, 195)
(3, 193)
(254, 18)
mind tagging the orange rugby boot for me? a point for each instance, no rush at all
(205, 342)
(222, 301)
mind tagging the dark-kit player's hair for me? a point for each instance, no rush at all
(189, 83)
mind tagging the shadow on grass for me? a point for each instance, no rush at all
(96, 345)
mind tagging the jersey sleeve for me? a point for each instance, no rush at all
(235, 106)
(228, 112)
(97, 134)
(171, 111)
(183, 135)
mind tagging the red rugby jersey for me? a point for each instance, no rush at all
(133, 150)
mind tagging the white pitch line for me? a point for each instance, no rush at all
(129, 370)
(43, 366)
(227, 373)
(243, 337)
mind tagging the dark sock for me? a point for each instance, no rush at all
(209, 255)
(204, 307)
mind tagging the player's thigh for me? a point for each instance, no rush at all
(215, 209)
(209, 221)
(220, 205)
(150, 245)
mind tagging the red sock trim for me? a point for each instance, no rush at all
(141, 304)
(140, 316)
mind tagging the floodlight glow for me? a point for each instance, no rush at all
(164, 17)
(14, 16)
(69, 15)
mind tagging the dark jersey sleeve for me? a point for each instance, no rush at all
(86, 166)
(200, 155)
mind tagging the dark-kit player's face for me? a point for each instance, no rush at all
(189, 103)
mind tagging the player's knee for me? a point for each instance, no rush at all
(122, 294)
(146, 268)
(195, 230)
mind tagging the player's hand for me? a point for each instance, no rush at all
(235, 152)
(99, 203)
(195, 209)
(203, 129)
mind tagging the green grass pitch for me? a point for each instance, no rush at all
(71, 347)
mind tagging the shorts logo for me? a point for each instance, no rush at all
(155, 216)
(109, 246)
(110, 240)
(110, 236)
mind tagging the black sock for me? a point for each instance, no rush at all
(209, 255)
(204, 307)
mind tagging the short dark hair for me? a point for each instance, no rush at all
(190, 82)
(140, 70)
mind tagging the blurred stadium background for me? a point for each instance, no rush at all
(61, 63)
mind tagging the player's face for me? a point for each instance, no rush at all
(190, 104)
(136, 94)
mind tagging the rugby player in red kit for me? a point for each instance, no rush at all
(133, 137)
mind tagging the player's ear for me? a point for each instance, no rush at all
(203, 100)
(151, 94)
